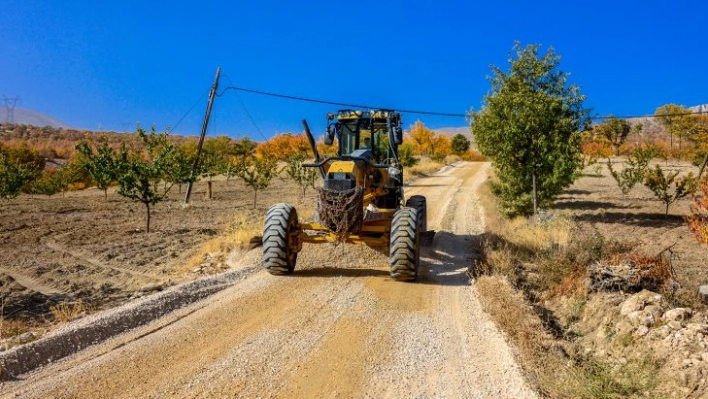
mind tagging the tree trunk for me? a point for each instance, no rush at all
(147, 219)
(105, 194)
(179, 188)
(535, 194)
(209, 189)
(705, 161)
(255, 198)
(617, 149)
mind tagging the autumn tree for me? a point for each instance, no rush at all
(615, 131)
(698, 220)
(101, 164)
(460, 144)
(529, 126)
(673, 118)
(141, 172)
(283, 145)
(421, 139)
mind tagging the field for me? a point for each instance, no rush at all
(638, 219)
(82, 252)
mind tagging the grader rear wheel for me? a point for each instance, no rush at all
(280, 239)
(405, 245)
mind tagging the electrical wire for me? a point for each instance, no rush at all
(313, 100)
(243, 105)
(190, 110)
(418, 112)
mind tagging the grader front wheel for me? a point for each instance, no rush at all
(419, 203)
(280, 239)
(405, 245)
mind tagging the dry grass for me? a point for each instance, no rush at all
(527, 263)
(244, 231)
(69, 310)
(424, 168)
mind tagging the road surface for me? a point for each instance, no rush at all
(337, 328)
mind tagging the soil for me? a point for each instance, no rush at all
(338, 327)
(638, 218)
(83, 248)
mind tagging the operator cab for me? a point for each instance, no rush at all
(366, 134)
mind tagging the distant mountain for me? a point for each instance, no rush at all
(699, 109)
(22, 116)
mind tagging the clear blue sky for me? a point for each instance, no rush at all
(108, 64)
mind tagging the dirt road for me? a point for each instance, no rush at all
(339, 327)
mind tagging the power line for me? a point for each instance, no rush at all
(190, 110)
(313, 100)
(243, 105)
(433, 113)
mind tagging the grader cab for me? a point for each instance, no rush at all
(361, 200)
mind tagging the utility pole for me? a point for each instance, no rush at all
(10, 103)
(212, 94)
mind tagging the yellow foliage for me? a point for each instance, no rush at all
(283, 145)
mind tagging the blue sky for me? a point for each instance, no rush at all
(108, 65)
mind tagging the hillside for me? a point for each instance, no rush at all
(23, 116)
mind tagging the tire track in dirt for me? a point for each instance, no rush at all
(53, 245)
(32, 284)
(339, 327)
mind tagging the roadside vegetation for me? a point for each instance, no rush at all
(591, 315)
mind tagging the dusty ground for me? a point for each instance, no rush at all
(339, 327)
(639, 218)
(82, 248)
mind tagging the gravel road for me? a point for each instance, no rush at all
(337, 328)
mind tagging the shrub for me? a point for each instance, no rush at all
(668, 187)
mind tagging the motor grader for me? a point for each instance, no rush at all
(361, 200)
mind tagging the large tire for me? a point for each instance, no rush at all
(405, 245)
(280, 239)
(419, 203)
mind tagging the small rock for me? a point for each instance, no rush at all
(675, 325)
(638, 301)
(661, 332)
(703, 290)
(641, 331)
(677, 314)
(24, 338)
(151, 287)
(698, 328)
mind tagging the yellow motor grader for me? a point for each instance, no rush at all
(361, 200)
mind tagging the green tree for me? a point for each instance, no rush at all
(18, 168)
(460, 144)
(101, 165)
(615, 131)
(304, 177)
(215, 159)
(181, 172)
(405, 155)
(48, 183)
(140, 172)
(529, 126)
(257, 174)
(667, 187)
